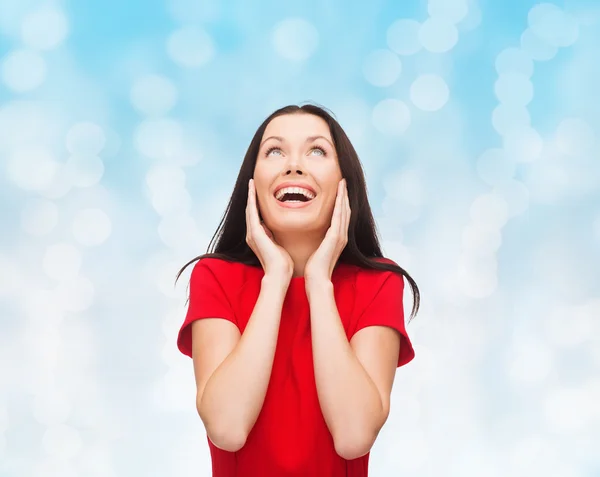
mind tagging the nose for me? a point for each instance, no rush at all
(289, 171)
(293, 165)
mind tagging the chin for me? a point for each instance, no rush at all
(295, 223)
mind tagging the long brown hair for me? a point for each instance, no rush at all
(229, 241)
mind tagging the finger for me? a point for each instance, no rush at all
(248, 224)
(341, 210)
(348, 212)
(334, 227)
(253, 211)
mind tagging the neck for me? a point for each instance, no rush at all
(300, 246)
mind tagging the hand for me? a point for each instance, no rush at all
(274, 258)
(321, 263)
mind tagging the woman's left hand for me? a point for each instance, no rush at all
(321, 263)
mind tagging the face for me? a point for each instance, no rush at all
(297, 148)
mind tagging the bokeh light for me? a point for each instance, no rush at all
(295, 39)
(438, 35)
(190, 47)
(429, 92)
(121, 136)
(153, 95)
(382, 68)
(39, 217)
(23, 70)
(44, 28)
(91, 227)
(403, 36)
(391, 116)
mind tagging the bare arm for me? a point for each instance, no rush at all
(233, 371)
(352, 404)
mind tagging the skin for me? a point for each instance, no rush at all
(299, 232)
(354, 379)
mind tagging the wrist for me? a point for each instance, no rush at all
(277, 281)
(317, 285)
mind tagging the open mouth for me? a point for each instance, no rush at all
(294, 195)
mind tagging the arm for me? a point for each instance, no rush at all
(354, 402)
(231, 396)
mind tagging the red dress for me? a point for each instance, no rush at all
(290, 436)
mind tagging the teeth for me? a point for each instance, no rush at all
(294, 190)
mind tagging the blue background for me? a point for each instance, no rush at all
(122, 129)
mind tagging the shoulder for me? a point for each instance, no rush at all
(228, 273)
(369, 282)
(373, 275)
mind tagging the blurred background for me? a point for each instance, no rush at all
(122, 129)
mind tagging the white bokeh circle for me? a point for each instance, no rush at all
(295, 39)
(62, 442)
(567, 410)
(508, 117)
(39, 217)
(391, 116)
(85, 138)
(159, 138)
(452, 11)
(190, 47)
(574, 136)
(530, 363)
(44, 28)
(91, 227)
(382, 68)
(515, 89)
(62, 261)
(481, 239)
(516, 195)
(438, 35)
(84, 170)
(75, 294)
(514, 60)
(32, 167)
(154, 95)
(553, 25)
(23, 70)
(165, 177)
(523, 145)
(473, 18)
(429, 92)
(476, 276)
(489, 209)
(51, 407)
(403, 37)
(536, 48)
(495, 167)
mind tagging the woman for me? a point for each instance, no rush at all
(295, 323)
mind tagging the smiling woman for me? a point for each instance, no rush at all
(295, 321)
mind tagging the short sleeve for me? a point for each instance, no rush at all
(386, 309)
(207, 299)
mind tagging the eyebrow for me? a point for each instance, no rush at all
(308, 139)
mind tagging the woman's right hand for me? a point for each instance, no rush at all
(273, 257)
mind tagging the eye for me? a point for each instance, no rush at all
(271, 149)
(315, 148)
(320, 149)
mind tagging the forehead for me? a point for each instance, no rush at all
(296, 127)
